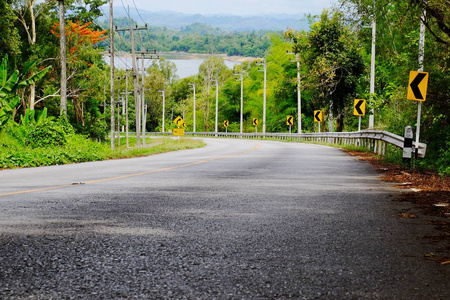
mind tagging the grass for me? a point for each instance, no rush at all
(14, 154)
(154, 146)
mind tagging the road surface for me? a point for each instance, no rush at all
(236, 219)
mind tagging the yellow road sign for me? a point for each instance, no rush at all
(359, 109)
(226, 123)
(290, 120)
(255, 122)
(318, 116)
(178, 131)
(417, 87)
(178, 121)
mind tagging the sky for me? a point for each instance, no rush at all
(232, 7)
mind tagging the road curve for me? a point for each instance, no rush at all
(236, 219)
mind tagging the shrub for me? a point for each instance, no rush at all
(443, 162)
(46, 134)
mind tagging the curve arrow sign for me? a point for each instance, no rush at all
(360, 107)
(290, 120)
(318, 116)
(418, 84)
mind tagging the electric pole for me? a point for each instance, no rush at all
(144, 55)
(137, 100)
(126, 109)
(372, 66)
(299, 95)
(193, 88)
(143, 99)
(118, 109)
(163, 94)
(216, 81)
(421, 58)
(265, 87)
(63, 53)
(111, 57)
(241, 75)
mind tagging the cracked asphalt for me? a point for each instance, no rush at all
(236, 219)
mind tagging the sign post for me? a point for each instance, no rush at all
(180, 123)
(255, 123)
(290, 122)
(417, 90)
(318, 117)
(226, 124)
(407, 145)
(359, 109)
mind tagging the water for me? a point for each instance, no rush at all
(185, 67)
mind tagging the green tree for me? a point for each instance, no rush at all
(10, 84)
(212, 68)
(9, 35)
(397, 53)
(334, 62)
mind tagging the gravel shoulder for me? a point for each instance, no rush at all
(429, 196)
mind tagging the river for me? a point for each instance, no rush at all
(185, 67)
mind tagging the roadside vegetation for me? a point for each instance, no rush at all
(54, 142)
(334, 56)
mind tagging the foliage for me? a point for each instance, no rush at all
(396, 55)
(196, 38)
(88, 80)
(33, 117)
(443, 162)
(46, 134)
(11, 84)
(84, 11)
(9, 35)
(333, 60)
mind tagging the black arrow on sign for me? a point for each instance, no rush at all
(358, 107)
(415, 85)
(254, 122)
(317, 116)
(290, 120)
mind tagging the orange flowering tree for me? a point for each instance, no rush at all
(86, 72)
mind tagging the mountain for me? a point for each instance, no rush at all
(177, 20)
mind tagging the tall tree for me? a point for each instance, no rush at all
(334, 63)
(28, 11)
(211, 69)
(9, 36)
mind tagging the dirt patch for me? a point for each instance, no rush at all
(428, 191)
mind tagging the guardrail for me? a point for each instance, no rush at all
(375, 140)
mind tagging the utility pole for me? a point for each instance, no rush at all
(137, 100)
(372, 65)
(421, 58)
(118, 109)
(299, 96)
(264, 99)
(111, 50)
(126, 109)
(143, 100)
(163, 94)
(216, 81)
(241, 75)
(63, 53)
(194, 106)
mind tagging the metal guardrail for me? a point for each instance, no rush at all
(373, 139)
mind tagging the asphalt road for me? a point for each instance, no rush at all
(236, 219)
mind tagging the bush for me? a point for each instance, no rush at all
(46, 134)
(443, 162)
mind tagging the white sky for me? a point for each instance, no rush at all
(232, 7)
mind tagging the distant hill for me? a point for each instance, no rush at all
(177, 20)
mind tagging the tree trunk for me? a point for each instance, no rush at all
(339, 123)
